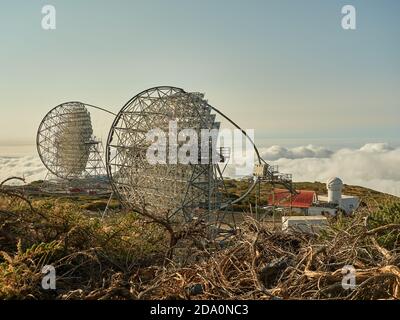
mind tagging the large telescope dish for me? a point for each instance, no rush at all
(64, 140)
(165, 189)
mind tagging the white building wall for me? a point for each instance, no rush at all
(303, 223)
(318, 211)
(349, 204)
(334, 186)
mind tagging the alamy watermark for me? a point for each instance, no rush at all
(349, 19)
(349, 277)
(202, 146)
(49, 279)
(49, 17)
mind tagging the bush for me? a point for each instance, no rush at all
(385, 215)
(86, 251)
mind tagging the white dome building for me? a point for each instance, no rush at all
(334, 186)
(334, 200)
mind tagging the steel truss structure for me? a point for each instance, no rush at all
(180, 191)
(67, 146)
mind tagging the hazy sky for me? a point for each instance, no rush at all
(284, 68)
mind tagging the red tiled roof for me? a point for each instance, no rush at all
(282, 198)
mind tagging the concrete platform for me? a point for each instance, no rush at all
(306, 224)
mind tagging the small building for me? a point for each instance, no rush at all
(306, 224)
(299, 202)
(307, 202)
(335, 200)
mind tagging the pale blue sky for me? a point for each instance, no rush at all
(285, 68)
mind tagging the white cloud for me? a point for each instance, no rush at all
(309, 151)
(376, 147)
(29, 167)
(375, 166)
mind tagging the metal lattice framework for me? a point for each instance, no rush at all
(175, 189)
(66, 144)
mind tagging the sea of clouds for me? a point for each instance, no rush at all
(28, 167)
(374, 165)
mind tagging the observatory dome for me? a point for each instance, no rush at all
(334, 186)
(334, 183)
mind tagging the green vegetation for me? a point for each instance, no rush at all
(88, 252)
(386, 215)
(127, 256)
(368, 197)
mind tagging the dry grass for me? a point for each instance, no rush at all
(265, 265)
(125, 257)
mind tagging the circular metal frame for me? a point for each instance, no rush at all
(64, 140)
(172, 188)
